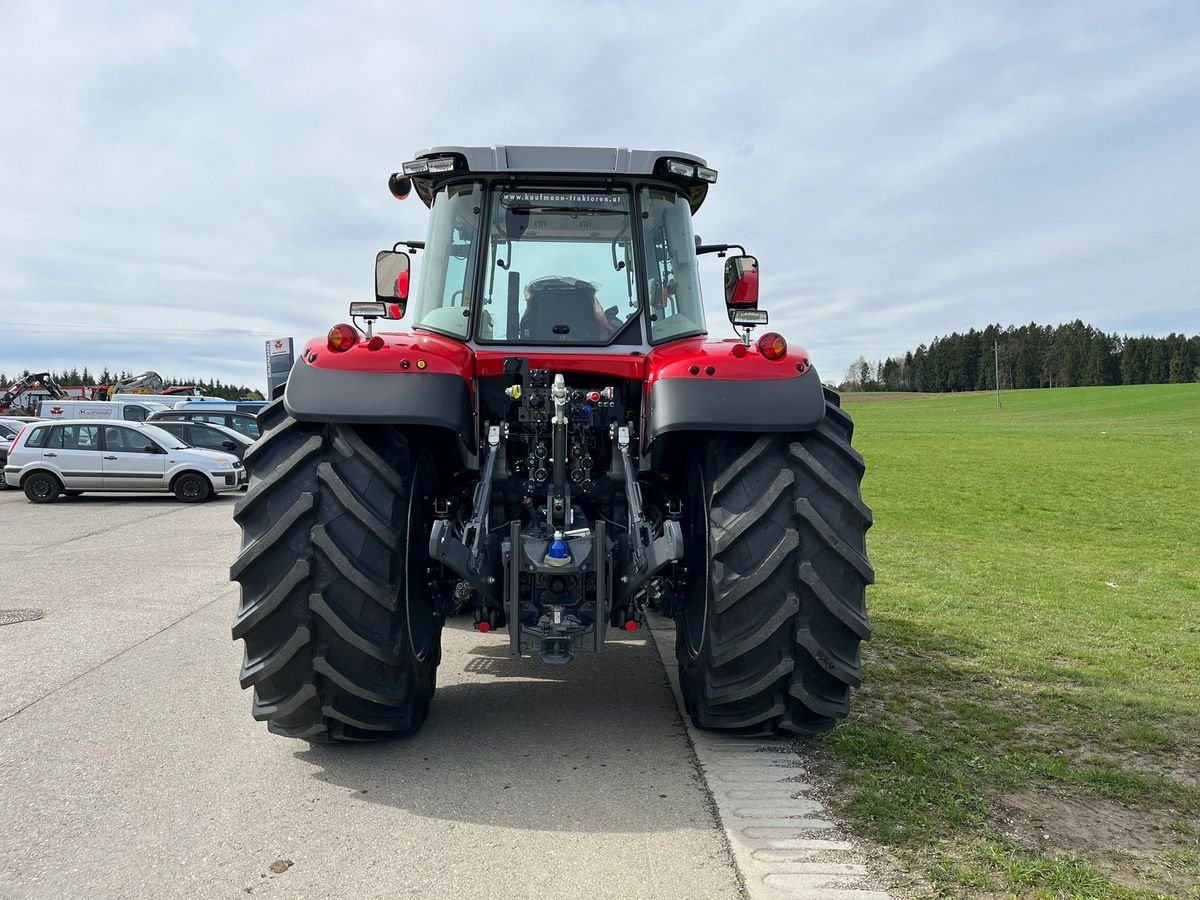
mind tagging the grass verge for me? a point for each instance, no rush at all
(1030, 723)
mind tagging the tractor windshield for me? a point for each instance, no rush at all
(560, 267)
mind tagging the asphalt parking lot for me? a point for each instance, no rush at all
(130, 766)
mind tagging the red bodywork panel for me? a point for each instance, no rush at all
(443, 355)
(676, 360)
(424, 353)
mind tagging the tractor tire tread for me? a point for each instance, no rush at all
(788, 575)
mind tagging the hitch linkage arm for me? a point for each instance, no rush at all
(649, 554)
(473, 533)
(466, 557)
(639, 528)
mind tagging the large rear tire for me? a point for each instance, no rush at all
(774, 599)
(341, 633)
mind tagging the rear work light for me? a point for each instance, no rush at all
(342, 337)
(436, 166)
(748, 316)
(704, 173)
(772, 345)
(679, 167)
(369, 310)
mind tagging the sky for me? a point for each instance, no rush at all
(180, 182)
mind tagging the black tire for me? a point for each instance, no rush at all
(191, 487)
(340, 626)
(42, 487)
(774, 599)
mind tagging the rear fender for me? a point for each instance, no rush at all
(413, 379)
(700, 385)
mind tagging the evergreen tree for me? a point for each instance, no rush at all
(1031, 356)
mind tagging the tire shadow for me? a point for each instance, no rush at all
(597, 745)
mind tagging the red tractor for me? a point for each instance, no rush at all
(555, 446)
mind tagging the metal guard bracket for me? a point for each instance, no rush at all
(662, 552)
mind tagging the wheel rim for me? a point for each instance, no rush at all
(419, 610)
(42, 488)
(694, 615)
(190, 488)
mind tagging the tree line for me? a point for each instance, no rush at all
(1031, 356)
(213, 387)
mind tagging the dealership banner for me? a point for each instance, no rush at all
(279, 362)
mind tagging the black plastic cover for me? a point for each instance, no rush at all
(704, 403)
(380, 398)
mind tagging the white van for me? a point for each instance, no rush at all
(167, 400)
(126, 410)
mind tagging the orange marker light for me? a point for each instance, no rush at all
(342, 337)
(772, 345)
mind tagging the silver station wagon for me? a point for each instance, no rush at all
(50, 459)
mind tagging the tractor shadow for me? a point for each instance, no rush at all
(594, 746)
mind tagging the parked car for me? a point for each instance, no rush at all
(7, 433)
(242, 422)
(207, 435)
(52, 458)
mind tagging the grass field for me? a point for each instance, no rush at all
(1030, 724)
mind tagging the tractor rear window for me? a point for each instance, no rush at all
(560, 267)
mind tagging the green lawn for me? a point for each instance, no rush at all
(1030, 724)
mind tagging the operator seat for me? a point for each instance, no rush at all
(561, 311)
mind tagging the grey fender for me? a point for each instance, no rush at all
(727, 404)
(437, 400)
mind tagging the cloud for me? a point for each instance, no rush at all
(179, 186)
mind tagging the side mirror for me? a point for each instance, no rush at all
(391, 281)
(741, 282)
(150, 448)
(229, 445)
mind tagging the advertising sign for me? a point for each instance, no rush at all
(280, 357)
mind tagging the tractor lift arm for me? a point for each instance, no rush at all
(455, 553)
(649, 554)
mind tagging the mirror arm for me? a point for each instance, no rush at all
(719, 249)
(411, 245)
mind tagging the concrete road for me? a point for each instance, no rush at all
(130, 766)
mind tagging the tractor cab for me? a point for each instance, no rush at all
(572, 255)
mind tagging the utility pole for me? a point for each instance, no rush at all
(996, 347)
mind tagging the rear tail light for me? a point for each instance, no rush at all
(20, 434)
(772, 345)
(342, 337)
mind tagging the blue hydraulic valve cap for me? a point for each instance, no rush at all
(558, 553)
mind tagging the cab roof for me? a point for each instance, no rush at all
(525, 161)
